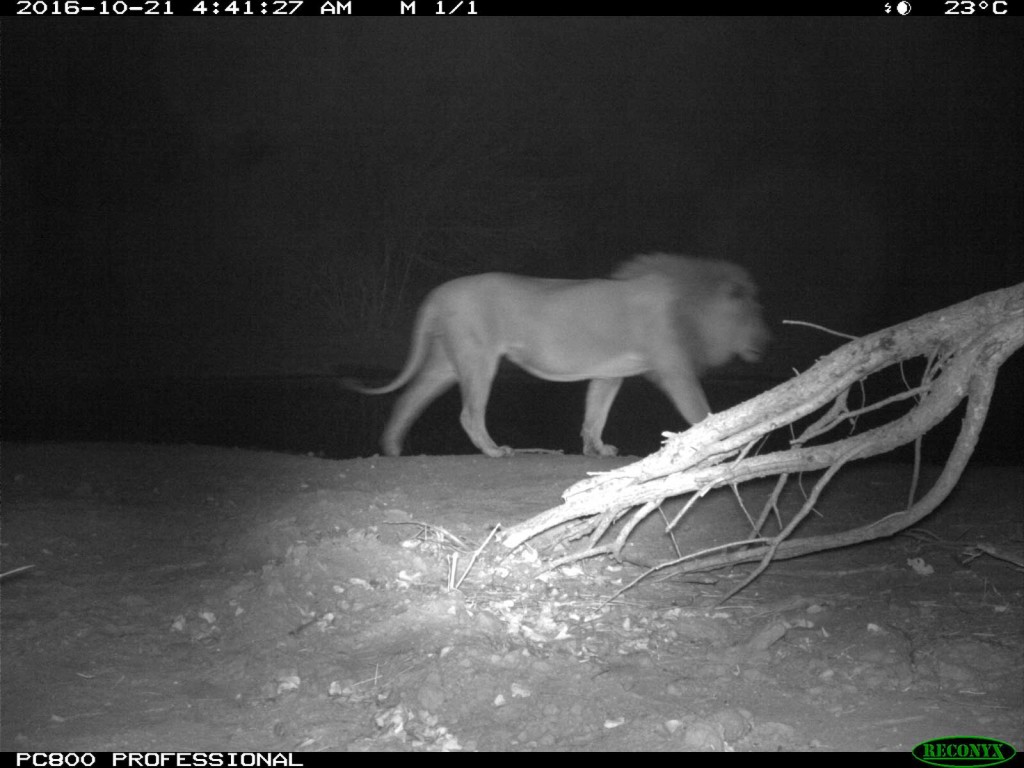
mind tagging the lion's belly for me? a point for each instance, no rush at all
(568, 364)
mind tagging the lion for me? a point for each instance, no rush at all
(669, 318)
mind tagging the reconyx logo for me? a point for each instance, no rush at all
(960, 751)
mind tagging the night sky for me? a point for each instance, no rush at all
(263, 197)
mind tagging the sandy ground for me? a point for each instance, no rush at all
(212, 599)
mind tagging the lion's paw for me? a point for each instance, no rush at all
(500, 451)
(602, 450)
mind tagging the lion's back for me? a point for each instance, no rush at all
(512, 305)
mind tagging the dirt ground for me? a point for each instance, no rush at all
(193, 598)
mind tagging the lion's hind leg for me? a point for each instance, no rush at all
(429, 384)
(475, 382)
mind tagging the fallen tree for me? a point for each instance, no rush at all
(964, 346)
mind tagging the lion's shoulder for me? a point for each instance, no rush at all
(688, 275)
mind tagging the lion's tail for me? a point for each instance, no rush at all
(421, 331)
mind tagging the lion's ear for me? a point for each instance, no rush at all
(735, 290)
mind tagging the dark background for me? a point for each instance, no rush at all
(204, 222)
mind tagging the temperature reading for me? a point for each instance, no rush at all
(969, 7)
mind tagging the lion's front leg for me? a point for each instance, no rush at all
(684, 390)
(600, 396)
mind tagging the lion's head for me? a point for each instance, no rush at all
(717, 310)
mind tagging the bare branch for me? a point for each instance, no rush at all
(964, 346)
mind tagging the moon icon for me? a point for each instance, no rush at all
(903, 8)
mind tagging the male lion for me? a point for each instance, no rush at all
(667, 317)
